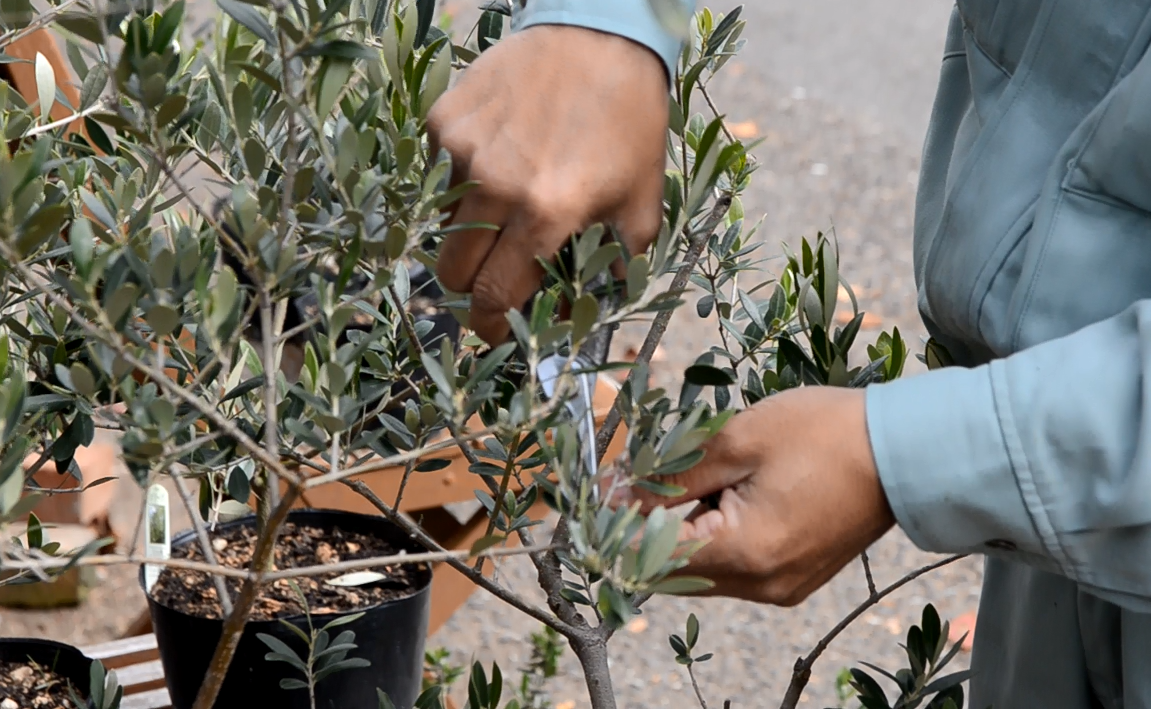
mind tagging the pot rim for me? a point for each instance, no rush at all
(45, 643)
(14, 640)
(189, 534)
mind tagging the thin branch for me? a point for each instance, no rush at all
(695, 686)
(31, 470)
(215, 569)
(49, 127)
(549, 573)
(867, 572)
(269, 332)
(218, 355)
(173, 455)
(525, 535)
(408, 467)
(271, 327)
(396, 559)
(456, 438)
(480, 580)
(547, 564)
(802, 673)
(398, 459)
(205, 543)
(303, 327)
(498, 509)
(716, 113)
(696, 243)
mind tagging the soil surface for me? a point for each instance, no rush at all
(31, 686)
(300, 545)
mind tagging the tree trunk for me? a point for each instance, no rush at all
(591, 649)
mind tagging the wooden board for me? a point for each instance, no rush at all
(137, 665)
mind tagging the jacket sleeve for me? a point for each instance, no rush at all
(1042, 457)
(633, 19)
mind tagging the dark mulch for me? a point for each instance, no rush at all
(194, 593)
(29, 685)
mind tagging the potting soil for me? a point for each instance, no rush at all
(30, 685)
(193, 592)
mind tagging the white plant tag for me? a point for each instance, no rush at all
(158, 533)
(357, 578)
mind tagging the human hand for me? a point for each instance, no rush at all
(563, 127)
(800, 497)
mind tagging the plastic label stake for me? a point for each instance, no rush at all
(158, 542)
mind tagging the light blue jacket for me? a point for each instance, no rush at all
(1033, 263)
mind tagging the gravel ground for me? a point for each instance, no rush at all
(841, 93)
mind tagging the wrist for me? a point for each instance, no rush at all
(860, 458)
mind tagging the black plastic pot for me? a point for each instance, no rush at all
(390, 636)
(65, 660)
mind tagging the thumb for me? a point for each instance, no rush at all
(720, 539)
(724, 465)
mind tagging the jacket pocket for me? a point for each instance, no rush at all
(1116, 160)
(1093, 258)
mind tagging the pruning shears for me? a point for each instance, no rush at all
(592, 353)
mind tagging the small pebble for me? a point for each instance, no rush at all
(21, 673)
(219, 544)
(325, 554)
(9, 703)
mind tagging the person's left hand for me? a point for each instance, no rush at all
(800, 498)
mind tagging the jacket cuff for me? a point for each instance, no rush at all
(633, 19)
(942, 446)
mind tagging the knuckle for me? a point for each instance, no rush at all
(457, 143)
(492, 294)
(447, 133)
(493, 179)
(452, 279)
(438, 121)
(555, 204)
(646, 227)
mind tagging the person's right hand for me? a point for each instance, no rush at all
(562, 127)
